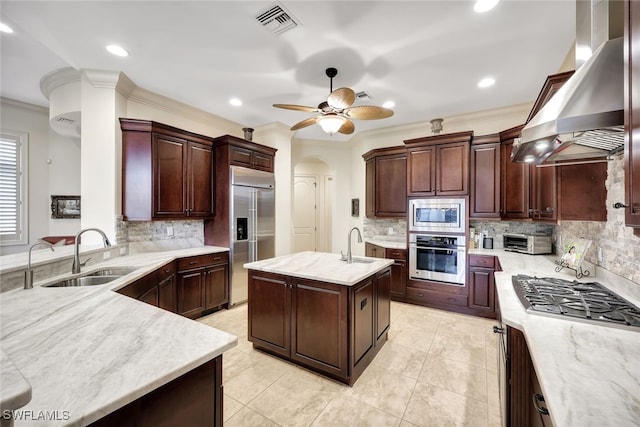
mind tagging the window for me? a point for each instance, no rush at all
(13, 188)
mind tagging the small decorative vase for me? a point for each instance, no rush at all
(248, 133)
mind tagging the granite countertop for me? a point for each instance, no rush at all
(87, 351)
(589, 373)
(325, 267)
(388, 242)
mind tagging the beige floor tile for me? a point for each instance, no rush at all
(458, 377)
(400, 359)
(492, 357)
(230, 407)
(495, 417)
(296, 399)
(248, 378)
(247, 417)
(460, 350)
(465, 330)
(434, 406)
(345, 411)
(405, 423)
(383, 389)
(424, 320)
(493, 390)
(413, 338)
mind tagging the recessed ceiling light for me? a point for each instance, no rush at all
(485, 5)
(486, 82)
(116, 50)
(4, 28)
(389, 104)
(235, 102)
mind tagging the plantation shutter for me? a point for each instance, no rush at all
(12, 188)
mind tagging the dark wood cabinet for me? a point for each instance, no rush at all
(167, 173)
(332, 329)
(481, 284)
(167, 296)
(484, 169)
(202, 283)
(386, 183)
(248, 155)
(543, 205)
(514, 181)
(438, 165)
(398, 277)
(582, 192)
(632, 114)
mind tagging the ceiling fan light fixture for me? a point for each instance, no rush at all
(331, 123)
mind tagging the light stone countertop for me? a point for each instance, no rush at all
(589, 373)
(388, 242)
(325, 267)
(89, 350)
(16, 391)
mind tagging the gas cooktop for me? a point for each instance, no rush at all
(588, 301)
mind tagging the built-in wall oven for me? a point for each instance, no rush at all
(436, 215)
(438, 258)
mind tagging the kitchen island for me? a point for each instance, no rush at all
(317, 311)
(83, 355)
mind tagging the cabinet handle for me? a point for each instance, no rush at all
(167, 270)
(193, 262)
(498, 330)
(537, 399)
(217, 258)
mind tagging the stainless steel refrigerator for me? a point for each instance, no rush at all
(252, 224)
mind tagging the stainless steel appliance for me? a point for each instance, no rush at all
(437, 215)
(438, 258)
(252, 224)
(589, 301)
(527, 243)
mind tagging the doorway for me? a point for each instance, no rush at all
(313, 194)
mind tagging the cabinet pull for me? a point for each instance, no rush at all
(193, 262)
(537, 399)
(167, 270)
(498, 330)
(216, 258)
(363, 304)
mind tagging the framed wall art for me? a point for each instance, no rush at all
(355, 207)
(65, 207)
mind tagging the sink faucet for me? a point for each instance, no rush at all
(28, 274)
(75, 268)
(349, 258)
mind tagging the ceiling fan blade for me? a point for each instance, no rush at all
(297, 107)
(341, 98)
(347, 128)
(306, 122)
(368, 112)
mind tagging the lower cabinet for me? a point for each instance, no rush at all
(202, 283)
(332, 329)
(481, 285)
(398, 269)
(193, 399)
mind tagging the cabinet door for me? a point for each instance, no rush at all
(370, 250)
(383, 303)
(263, 162)
(452, 169)
(421, 171)
(399, 278)
(544, 193)
(269, 311)
(201, 185)
(583, 193)
(370, 190)
(363, 321)
(150, 297)
(515, 185)
(632, 114)
(167, 294)
(482, 289)
(190, 293)
(216, 286)
(391, 186)
(169, 183)
(485, 181)
(319, 325)
(239, 156)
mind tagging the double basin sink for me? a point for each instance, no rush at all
(98, 277)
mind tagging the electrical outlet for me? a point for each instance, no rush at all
(390, 230)
(123, 250)
(106, 255)
(169, 231)
(600, 256)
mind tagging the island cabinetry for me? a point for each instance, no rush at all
(330, 328)
(484, 193)
(632, 114)
(398, 269)
(202, 283)
(194, 399)
(167, 173)
(481, 284)
(386, 183)
(438, 165)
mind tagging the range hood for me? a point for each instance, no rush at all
(585, 118)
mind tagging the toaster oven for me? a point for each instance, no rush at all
(532, 244)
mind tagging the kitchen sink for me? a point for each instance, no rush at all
(112, 271)
(362, 260)
(83, 281)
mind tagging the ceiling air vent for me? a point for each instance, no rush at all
(363, 95)
(65, 121)
(277, 19)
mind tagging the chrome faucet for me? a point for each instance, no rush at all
(28, 274)
(75, 268)
(349, 258)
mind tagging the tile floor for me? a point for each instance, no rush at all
(437, 369)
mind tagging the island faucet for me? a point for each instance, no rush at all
(28, 274)
(349, 258)
(75, 268)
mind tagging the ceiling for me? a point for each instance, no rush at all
(426, 56)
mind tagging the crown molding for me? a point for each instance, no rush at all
(103, 79)
(24, 105)
(60, 77)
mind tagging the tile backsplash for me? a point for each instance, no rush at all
(392, 227)
(144, 231)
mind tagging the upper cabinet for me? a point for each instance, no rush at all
(632, 113)
(484, 193)
(240, 152)
(438, 165)
(167, 173)
(514, 179)
(386, 183)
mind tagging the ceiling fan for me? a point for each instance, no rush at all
(337, 111)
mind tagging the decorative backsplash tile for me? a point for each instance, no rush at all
(143, 231)
(497, 229)
(392, 227)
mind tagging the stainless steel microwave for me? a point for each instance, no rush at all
(437, 215)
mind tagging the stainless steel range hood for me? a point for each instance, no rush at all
(587, 111)
(585, 118)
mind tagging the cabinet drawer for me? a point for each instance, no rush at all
(482, 261)
(166, 271)
(199, 261)
(434, 297)
(396, 253)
